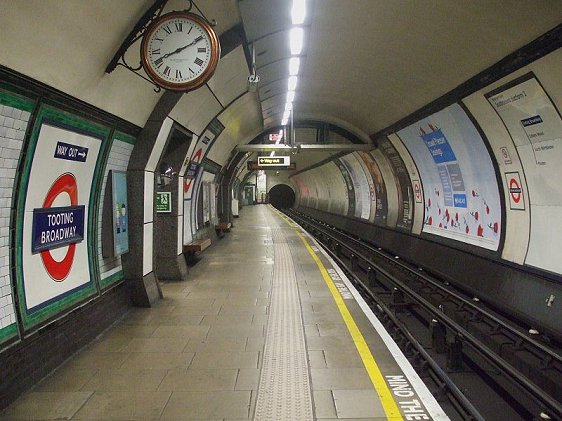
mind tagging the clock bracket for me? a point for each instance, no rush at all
(138, 31)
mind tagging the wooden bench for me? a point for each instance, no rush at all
(196, 246)
(221, 228)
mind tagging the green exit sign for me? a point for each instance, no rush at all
(164, 202)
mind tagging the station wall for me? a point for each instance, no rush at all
(58, 288)
(481, 171)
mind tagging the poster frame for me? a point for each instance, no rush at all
(63, 303)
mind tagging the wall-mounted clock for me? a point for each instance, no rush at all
(180, 51)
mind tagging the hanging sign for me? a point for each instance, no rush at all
(274, 161)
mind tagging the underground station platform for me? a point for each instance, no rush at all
(266, 328)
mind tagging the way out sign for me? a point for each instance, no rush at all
(516, 200)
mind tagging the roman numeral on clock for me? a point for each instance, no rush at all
(198, 61)
(202, 50)
(167, 71)
(179, 27)
(178, 74)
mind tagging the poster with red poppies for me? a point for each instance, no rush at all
(462, 200)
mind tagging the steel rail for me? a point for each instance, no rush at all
(441, 375)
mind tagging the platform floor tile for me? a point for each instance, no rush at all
(124, 405)
(46, 405)
(201, 405)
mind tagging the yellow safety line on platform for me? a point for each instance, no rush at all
(388, 403)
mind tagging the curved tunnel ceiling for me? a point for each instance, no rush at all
(366, 64)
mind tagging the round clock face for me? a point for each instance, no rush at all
(180, 51)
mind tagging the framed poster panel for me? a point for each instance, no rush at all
(462, 199)
(56, 215)
(535, 126)
(119, 207)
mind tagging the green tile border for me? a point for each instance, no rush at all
(16, 101)
(8, 332)
(22, 103)
(124, 138)
(111, 280)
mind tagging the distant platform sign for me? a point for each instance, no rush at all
(274, 161)
(516, 201)
(71, 152)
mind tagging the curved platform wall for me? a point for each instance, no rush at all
(476, 185)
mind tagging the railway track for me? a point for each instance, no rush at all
(488, 365)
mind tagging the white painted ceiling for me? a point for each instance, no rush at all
(365, 65)
(369, 63)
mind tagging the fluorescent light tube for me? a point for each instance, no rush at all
(296, 39)
(298, 12)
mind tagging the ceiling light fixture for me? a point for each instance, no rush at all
(290, 96)
(284, 122)
(294, 64)
(298, 12)
(296, 40)
(292, 85)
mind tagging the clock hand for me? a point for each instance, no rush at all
(182, 48)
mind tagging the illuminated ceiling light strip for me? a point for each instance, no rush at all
(298, 12)
(294, 65)
(292, 84)
(290, 96)
(284, 121)
(296, 40)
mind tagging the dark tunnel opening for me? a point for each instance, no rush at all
(282, 196)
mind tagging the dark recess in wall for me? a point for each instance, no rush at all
(282, 196)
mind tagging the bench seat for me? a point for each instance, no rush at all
(197, 245)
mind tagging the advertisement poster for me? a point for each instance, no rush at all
(405, 194)
(349, 185)
(54, 243)
(120, 215)
(462, 200)
(192, 178)
(362, 198)
(535, 126)
(378, 193)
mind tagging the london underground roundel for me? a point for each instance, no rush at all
(65, 184)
